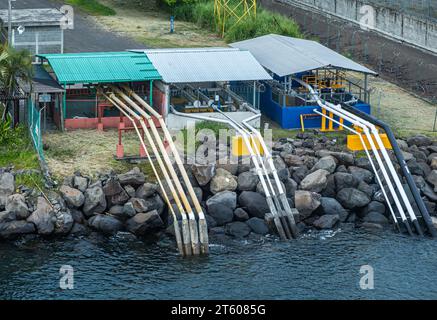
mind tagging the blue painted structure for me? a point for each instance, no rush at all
(288, 117)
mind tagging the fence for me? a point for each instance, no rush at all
(410, 69)
(34, 124)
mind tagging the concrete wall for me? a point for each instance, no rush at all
(407, 27)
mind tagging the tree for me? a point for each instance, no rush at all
(14, 65)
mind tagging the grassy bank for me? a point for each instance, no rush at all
(92, 7)
(202, 14)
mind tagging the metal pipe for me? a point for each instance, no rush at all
(175, 220)
(191, 219)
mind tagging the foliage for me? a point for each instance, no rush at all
(266, 22)
(92, 7)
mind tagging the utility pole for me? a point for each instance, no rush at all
(9, 22)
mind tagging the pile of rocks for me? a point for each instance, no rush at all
(124, 202)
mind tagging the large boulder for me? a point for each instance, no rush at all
(16, 204)
(146, 190)
(203, 173)
(80, 183)
(345, 180)
(260, 189)
(290, 187)
(432, 178)
(315, 181)
(361, 174)
(134, 178)
(144, 223)
(331, 206)
(351, 198)
(327, 163)
(221, 213)
(7, 187)
(64, 222)
(281, 168)
(342, 157)
(237, 229)
(43, 217)
(306, 202)
(254, 203)
(419, 140)
(226, 198)
(258, 226)
(376, 217)
(105, 224)
(112, 187)
(247, 181)
(95, 201)
(327, 221)
(222, 181)
(7, 216)
(292, 160)
(14, 229)
(240, 215)
(73, 197)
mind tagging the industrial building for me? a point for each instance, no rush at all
(36, 30)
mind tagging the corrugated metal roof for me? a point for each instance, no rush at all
(285, 55)
(101, 67)
(42, 82)
(206, 65)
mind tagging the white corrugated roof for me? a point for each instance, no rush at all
(205, 65)
(285, 55)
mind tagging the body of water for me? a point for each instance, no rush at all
(323, 265)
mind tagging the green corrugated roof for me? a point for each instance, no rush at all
(101, 67)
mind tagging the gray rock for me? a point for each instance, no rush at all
(95, 201)
(222, 214)
(226, 198)
(363, 162)
(254, 203)
(232, 168)
(351, 198)
(77, 216)
(316, 181)
(16, 204)
(260, 189)
(419, 140)
(119, 198)
(361, 174)
(140, 205)
(432, 178)
(407, 156)
(237, 229)
(7, 187)
(290, 187)
(73, 197)
(223, 181)
(345, 180)
(203, 173)
(240, 215)
(64, 223)
(105, 224)
(79, 230)
(247, 181)
(129, 210)
(144, 223)
(43, 217)
(299, 173)
(146, 190)
(415, 168)
(292, 160)
(331, 206)
(210, 221)
(327, 221)
(14, 229)
(80, 183)
(134, 178)
(375, 217)
(112, 187)
(327, 163)
(330, 190)
(281, 168)
(367, 189)
(306, 202)
(403, 145)
(7, 216)
(258, 225)
(342, 157)
(130, 191)
(376, 206)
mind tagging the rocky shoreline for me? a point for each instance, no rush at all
(327, 185)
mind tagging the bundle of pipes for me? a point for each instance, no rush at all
(282, 214)
(193, 230)
(385, 164)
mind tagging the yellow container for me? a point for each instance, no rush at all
(354, 142)
(239, 148)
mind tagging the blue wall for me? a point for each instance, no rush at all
(289, 117)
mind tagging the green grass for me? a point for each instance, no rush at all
(265, 22)
(92, 7)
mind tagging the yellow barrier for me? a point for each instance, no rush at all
(354, 142)
(239, 147)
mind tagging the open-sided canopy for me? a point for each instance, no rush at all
(286, 56)
(101, 67)
(205, 65)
